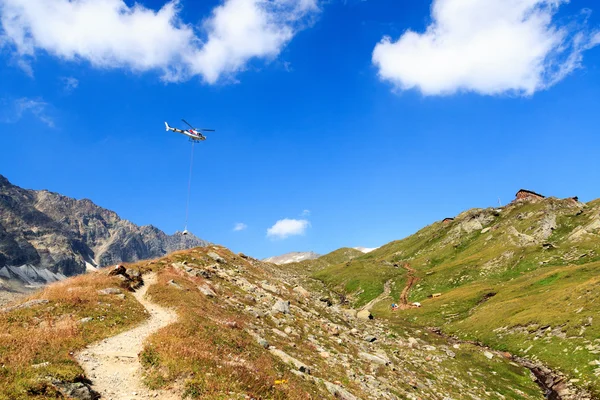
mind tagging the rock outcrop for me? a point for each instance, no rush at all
(45, 236)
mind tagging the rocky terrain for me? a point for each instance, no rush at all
(496, 303)
(245, 329)
(522, 279)
(44, 236)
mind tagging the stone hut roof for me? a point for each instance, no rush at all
(530, 192)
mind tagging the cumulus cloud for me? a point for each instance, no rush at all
(240, 226)
(24, 106)
(285, 228)
(239, 30)
(485, 46)
(111, 34)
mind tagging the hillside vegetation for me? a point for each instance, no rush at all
(524, 278)
(245, 329)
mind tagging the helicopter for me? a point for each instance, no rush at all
(195, 134)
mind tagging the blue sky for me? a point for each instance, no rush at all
(355, 139)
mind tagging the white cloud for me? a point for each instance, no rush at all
(240, 30)
(288, 227)
(20, 108)
(240, 226)
(305, 213)
(111, 34)
(485, 46)
(69, 83)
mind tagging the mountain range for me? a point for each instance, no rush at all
(495, 303)
(45, 236)
(298, 256)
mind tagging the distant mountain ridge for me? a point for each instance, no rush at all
(47, 235)
(292, 257)
(298, 256)
(365, 249)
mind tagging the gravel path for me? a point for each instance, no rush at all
(411, 279)
(113, 365)
(387, 289)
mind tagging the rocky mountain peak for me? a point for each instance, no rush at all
(46, 230)
(4, 181)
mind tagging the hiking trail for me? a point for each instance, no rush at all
(387, 289)
(411, 280)
(113, 364)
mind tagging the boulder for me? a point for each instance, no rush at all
(299, 365)
(110, 290)
(327, 301)
(118, 270)
(269, 287)
(302, 292)
(365, 315)
(370, 338)
(27, 304)
(216, 257)
(373, 358)
(76, 390)
(204, 274)
(339, 392)
(175, 284)
(207, 291)
(282, 307)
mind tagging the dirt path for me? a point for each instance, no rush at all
(113, 365)
(411, 280)
(387, 289)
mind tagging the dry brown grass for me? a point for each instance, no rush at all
(208, 350)
(47, 335)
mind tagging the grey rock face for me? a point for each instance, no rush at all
(339, 392)
(108, 291)
(207, 291)
(50, 232)
(282, 307)
(27, 304)
(76, 390)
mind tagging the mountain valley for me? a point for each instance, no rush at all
(495, 303)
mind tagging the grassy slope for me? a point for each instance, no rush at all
(534, 287)
(50, 333)
(208, 352)
(208, 349)
(335, 257)
(205, 348)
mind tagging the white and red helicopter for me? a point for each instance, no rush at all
(194, 134)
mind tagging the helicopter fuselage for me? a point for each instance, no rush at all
(192, 134)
